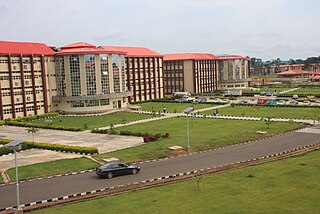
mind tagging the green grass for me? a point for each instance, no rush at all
(90, 122)
(1, 179)
(275, 112)
(52, 168)
(204, 134)
(285, 186)
(171, 107)
(313, 91)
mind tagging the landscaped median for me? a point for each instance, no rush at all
(279, 111)
(205, 133)
(285, 186)
(48, 146)
(75, 123)
(52, 168)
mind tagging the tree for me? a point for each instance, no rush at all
(32, 130)
(292, 61)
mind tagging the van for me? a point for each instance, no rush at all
(262, 101)
(272, 101)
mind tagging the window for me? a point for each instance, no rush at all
(105, 88)
(75, 75)
(90, 74)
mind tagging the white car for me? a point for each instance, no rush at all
(218, 100)
(281, 102)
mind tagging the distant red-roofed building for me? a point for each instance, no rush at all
(192, 72)
(233, 72)
(143, 71)
(295, 73)
(27, 79)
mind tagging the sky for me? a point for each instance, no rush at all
(265, 29)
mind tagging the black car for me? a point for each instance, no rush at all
(109, 170)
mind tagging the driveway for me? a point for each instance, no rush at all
(104, 142)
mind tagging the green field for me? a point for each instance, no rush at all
(171, 107)
(311, 91)
(1, 179)
(285, 186)
(90, 122)
(52, 168)
(204, 134)
(274, 112)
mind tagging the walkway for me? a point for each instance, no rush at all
(286, 91)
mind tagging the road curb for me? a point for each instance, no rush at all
(127, 187)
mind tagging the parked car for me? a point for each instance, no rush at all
(110, 170)
(217, 100)
(293, 102)
(272, 101)
(295, 96)
(317, 103)
(201, 100)
(306, 102)
(243, 101)
(268, 94)
(262, 101)
(263, 93)
(281, 102)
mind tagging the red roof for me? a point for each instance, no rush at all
(189, 56)
(86, 48)
(135, 51)
(294, 72)
(232, 57)
(25, 48)
(316, 77)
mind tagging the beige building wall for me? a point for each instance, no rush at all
(188, 75)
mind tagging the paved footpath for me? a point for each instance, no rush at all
(38, 190)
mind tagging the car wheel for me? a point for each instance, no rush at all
(109, 175)
(134, 171)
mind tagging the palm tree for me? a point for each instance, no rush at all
(32, 130)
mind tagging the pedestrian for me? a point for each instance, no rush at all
(153, 110)
(164, 109)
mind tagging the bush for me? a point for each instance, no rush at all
(48, 146)
(105, 131)
(165, 135)
(150, 138)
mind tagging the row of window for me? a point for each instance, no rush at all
(89, 103)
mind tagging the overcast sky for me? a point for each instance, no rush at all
(265, 29)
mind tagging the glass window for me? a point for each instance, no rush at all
(116, 78)
(90, 74)
(75, 75)
(105, 88)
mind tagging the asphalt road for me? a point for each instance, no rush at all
(60, 186)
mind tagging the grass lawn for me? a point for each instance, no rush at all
(275, 112)
(172, 107)
(204, 134)
(274, 89)
(314, 91)
(90, 122)
(285, 186)
(1, 179)
(52, 168)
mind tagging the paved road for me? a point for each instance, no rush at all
(61, 186)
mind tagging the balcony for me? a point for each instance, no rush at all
(92, 97)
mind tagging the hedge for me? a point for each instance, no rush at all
(27, 124)
(48, 146)
(273, 105)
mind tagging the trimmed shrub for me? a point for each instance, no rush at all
(165, 135)
(150, 138)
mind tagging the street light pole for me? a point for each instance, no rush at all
(188, 133)
(16, 146)
(17, 180)
(187, 112)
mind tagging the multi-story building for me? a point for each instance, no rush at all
(144, 72)
(233, 72)
(27, 79)
(192, 72)
(89, 79)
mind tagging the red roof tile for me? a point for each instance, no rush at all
(189, 56)
(294, 72)
(25, 48)
(135, 51)
(86, 48)
(232, 57)
(316, 77)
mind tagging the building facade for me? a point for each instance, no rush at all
(233, 72)
(192, 72)
(26, 79)
(89, 79)
(144, 72)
